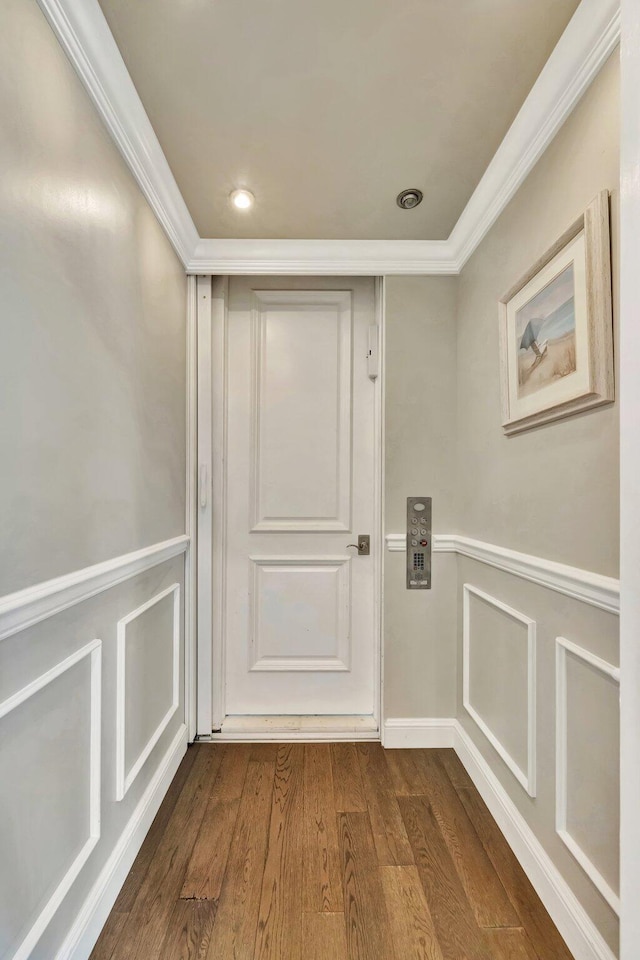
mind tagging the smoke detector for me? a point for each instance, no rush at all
(409, 199)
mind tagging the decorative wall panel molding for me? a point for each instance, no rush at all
(93, 650)
(84, 932)
(264, 601)
(27, 607)
(590, 37)
(593, 588)
(564, 648)
(578, 929)
(124, 776)
(527, 777)
(275, 467)
(580, 933)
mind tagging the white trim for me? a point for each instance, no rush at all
(440, 543)
(124, 779)
(205, 506)
(588, 41)
(85, 37)
(29, 606)
(585, 45)
(419, 732)
(578, 930)
(94, 651)
(527, 778)
(191, 517)
(333, 258)
(629, 383)
(379, 502)
(563, 647)
(86, 927)
(593, 588)
(217, 426)
(287, 729)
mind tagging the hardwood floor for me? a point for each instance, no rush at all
(325, 852)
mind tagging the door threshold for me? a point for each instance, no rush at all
(288, 728)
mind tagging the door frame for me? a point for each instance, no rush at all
(212, 340)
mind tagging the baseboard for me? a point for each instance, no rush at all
(81, 939)
(419, 732)
(579, 932)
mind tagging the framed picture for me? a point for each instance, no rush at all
(556, 328)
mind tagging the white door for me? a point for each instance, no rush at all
(300, 612)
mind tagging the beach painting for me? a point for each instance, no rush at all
(556, 328)
(546, 335)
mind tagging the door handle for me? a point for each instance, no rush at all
(363, 546)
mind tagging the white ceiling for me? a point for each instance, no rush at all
(326, 109)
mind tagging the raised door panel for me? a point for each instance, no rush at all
(301, 410)
(300, 613)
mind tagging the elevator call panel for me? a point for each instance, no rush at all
(418, 543)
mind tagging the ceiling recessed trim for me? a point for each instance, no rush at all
(590, 37)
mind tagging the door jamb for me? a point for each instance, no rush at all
(212, 323)
(191, 520)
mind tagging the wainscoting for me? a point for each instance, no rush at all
(92, 730)
(537, 724)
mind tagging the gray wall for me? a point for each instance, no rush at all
(551, 492)
(92, 366)
(420, 420)
(92, 432)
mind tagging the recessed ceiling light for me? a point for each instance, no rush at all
(242, 199)
(409, 199)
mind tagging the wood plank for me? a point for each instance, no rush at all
(264, 752)
(322, 883)
(234, 929)
(412, 930)
(147, 922)
(208, 862)
(457, 931)
(539, 926)
(188, 930)
(455, 770)
(129, 892)
(279, 932)
(511, 944)
(389, 834)
(109, 938)
(406, 775)
(367, 926)
(233, 770)
(324, 936)
(483, 886)
(348, 788)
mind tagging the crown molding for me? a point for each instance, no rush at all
(84, 34)
(589, 39)
(329, 257)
